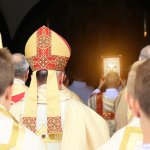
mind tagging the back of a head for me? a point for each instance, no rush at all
(78, 75)
(21, 65)
(112, 80)
(6, 70)
(131, 78)
(142, 87)
(145, 53)
(42, 76)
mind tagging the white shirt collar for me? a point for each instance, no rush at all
(135, 121)
(111, 90)
(111, 93)
(18, 81)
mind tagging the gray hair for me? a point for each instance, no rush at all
(145, 53)
(21, 65)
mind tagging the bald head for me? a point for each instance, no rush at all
(21, 65)
(145, 53)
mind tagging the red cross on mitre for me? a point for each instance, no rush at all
(44, 58)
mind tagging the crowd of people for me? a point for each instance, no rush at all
(52, 115)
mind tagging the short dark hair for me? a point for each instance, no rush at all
(6, 70)
(41, 76)
(79, 74)
(112, 79)
(142, 86)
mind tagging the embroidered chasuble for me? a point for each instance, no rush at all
(77, 119)
(56, 115)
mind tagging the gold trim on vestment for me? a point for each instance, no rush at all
(31, 99)
(54, 129)
(20, 140)
(127, 134)
(15, 131)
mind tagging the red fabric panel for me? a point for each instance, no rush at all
(18, 97)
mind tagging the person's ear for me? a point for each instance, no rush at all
(8, 92)
(62, 76)
(60, 79)
(26, 75)
(137, 109)
(7, 95)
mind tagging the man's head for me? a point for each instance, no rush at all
(142, 87)
(145, 53)
(21, 66)
(112, 80)
(79, 74)
(130, 96)
(6, 77)
(42, 77)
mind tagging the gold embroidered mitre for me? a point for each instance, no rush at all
(46, 50)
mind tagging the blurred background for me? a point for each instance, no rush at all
(93, 28)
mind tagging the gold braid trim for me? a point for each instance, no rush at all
(126, 137)
(15, 131)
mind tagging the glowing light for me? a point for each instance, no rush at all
(145, 26)
(111, 64)
(145, 34)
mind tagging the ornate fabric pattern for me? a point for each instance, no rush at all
(99, 108)
(44, 59)
(30, 123)
(108, 115)
(99, 104)
(54, 124)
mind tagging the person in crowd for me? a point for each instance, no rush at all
(140, 104)
(13, 135)
(102, 87)
(79, 86)
(130, 136)
(123, 114)
(145, 53)
(65, 87)
(103, 103)
(49, 109)
(66, 80)
(21, 67)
